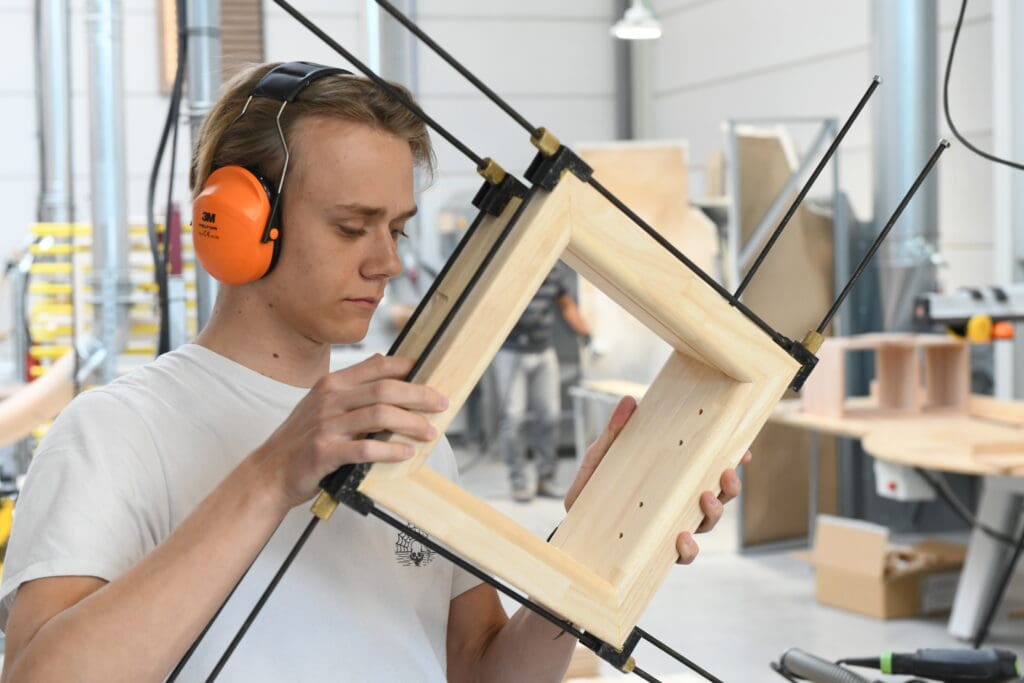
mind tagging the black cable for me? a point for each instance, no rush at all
(945, 100)
(254, 612)
(380, 82)
(875, 82)
(943, 145)
(454, 63)
(155, 243)
(941, 488)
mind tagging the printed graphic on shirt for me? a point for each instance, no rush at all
(412, 553)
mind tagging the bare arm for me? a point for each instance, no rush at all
(121, 630)
(573, 317)
(136, 627)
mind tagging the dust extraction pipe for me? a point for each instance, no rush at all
(905, 133)
(111, 283)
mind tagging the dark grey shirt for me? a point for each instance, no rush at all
(535, 328)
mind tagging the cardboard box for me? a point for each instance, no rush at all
(857, 570)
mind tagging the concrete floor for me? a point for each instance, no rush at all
(734, 613)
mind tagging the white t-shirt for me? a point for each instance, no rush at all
(124, 464)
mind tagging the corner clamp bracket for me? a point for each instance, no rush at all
(493, 198)
(547, 169)
(342, 486)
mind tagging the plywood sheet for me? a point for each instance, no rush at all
(652, 179)
(791, 291)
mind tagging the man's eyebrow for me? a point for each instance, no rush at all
(374, 211)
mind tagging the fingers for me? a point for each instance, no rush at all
(384, 418)
(332, 452)
(712, 508)
(615, 424)
(730, 486)
(374, 367)
(687, 548)
(392, 392)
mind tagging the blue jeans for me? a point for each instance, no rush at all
(529, 405)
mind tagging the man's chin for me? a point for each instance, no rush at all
(350, 335)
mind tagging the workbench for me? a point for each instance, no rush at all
(987, 440)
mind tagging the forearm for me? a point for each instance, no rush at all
(528, 648)
(137, 626)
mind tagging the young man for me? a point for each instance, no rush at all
(530, 388)
(151, 496)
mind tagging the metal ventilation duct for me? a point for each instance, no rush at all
(905, 134)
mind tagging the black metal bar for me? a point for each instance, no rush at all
(455, 64)
(254, 612)
(875, 82)
(644, 675)
(387, 87)
(997, 596)
(675, 655)
(942, 147)
(202, 634)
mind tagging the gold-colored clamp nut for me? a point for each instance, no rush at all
(813, 341)
(324, 506)
(491, 171)
(546, 142)
(629, 666)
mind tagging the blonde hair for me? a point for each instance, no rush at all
(252, 141)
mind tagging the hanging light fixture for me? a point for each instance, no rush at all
(638, 23)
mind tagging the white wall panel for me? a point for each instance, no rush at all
(490, 132)
(565, 56)
(723, 59)
(17, 70)
(761, 37)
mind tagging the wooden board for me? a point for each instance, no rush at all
(721, 382)
(965, 443)
(792, 290)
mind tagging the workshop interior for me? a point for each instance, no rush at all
(821, 199)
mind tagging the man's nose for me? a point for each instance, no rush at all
(384, 261)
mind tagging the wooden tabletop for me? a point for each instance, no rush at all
(986, 439)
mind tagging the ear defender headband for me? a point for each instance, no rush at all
(236, 223)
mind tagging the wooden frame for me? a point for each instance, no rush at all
(701, 413)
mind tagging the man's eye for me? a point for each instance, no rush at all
(398, 233)
(350, 231)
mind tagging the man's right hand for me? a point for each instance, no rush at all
(328, 428)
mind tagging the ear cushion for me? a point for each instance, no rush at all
(228, 220)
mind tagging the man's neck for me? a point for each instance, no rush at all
(243, 332)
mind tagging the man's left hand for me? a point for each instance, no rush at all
(711, 505)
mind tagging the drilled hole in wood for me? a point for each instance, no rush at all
(680, 442)
(620, 534)
(700, 412)
(641, 503)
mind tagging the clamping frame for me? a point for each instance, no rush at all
(726, 374)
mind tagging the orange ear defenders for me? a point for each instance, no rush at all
(236, 228)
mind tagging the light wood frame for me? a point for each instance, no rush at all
(714, 393)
